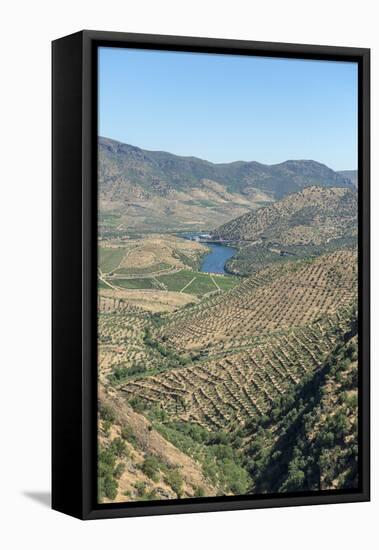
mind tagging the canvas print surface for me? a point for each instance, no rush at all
(227, 275)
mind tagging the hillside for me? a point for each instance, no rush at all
(212, 383)
(244, 348)
(137, 462)
(208, 378)
(310, 440)
(306, 224)
(311, 216)
(141, 189)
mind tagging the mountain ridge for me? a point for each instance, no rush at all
(110, 141)
(141, 167)
(142, 189)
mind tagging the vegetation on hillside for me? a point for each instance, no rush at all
(225, 385)
(310, 439)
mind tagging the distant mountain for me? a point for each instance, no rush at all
(158, 172)
(315, 215)
(352, 175)
(144, 188)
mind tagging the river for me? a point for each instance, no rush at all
(214, 262)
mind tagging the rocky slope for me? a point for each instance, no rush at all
(136, 462)
(313, 216)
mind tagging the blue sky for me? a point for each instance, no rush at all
(227, 108)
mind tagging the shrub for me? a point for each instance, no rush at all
(119, 373)
(184, 360)
(236, 478)
(128, 434)
(137, 404)
(119, 470)
(150, 467)
(199, 492)
(174, 479)
(107, 413)
(136, 369)
(110, 487)
(106, 463)
(140, 487)
(106, 426)
(118, 447)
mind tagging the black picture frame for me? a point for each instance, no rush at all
(74, 295)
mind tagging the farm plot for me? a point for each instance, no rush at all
(115, 303)
(126, 349)
(189, 282)
(140, 262)
(275, 299)
(110, 257)
(220, 394)
(135, 283)
(196, 282)
(123, 352)
(144, 270)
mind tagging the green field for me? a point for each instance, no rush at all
(190, 282)
(143, 270)
(201, 282)
(110, 258)
(141, 284)
(226, 283)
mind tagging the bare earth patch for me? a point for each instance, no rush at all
(150, 300)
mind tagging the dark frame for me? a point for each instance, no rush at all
(74, 297)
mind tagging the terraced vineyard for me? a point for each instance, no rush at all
(123, 352)
(222, 393)
(277, 298)
(248, 346)
(210, 371)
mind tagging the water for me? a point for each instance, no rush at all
(214, 262)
